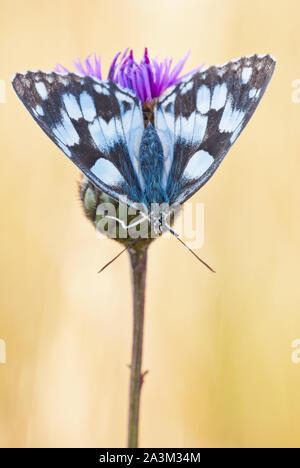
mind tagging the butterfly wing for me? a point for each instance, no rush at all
(199, 120)
(97, 124)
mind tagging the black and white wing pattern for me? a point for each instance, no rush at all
(201, 117)
(97, 124)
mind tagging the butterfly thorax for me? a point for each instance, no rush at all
(151, 162)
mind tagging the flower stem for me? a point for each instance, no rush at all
(138, 259)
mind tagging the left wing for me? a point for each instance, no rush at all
(201, 117)
(97, 124)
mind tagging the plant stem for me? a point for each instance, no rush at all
(138, 259)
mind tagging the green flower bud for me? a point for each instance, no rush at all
(99, 207)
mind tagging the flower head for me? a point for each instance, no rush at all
(148, 79)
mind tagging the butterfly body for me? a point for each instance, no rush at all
(100, 126)
(151, 162)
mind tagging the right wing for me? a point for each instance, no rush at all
(201, 117)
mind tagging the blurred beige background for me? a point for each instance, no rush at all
(218, 347)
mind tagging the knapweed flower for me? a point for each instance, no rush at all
(148, 79)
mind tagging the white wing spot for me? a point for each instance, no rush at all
(107, 172)
(219, 96)
(101, 89)
(97, 135)
(39, 110)
(187, 127)
(70, 129)
(41, 89)
(198, 164)
(65, 131)
(72, 106)
(231, 118)
(87, 106)
(203, 99)
(252, 92)
(200, 128)
(246, 74)
(225, 122)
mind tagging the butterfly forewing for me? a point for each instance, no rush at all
(97, 124)
(199, 120)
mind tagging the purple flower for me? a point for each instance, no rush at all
(147, 79)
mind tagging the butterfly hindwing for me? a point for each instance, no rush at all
(201, 117)
(97, 124)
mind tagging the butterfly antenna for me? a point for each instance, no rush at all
(117, 256)
(183, 243)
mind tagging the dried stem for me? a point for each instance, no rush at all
(138, 259)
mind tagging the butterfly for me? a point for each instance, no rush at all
(102, 128)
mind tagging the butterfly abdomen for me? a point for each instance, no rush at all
(152, 166)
